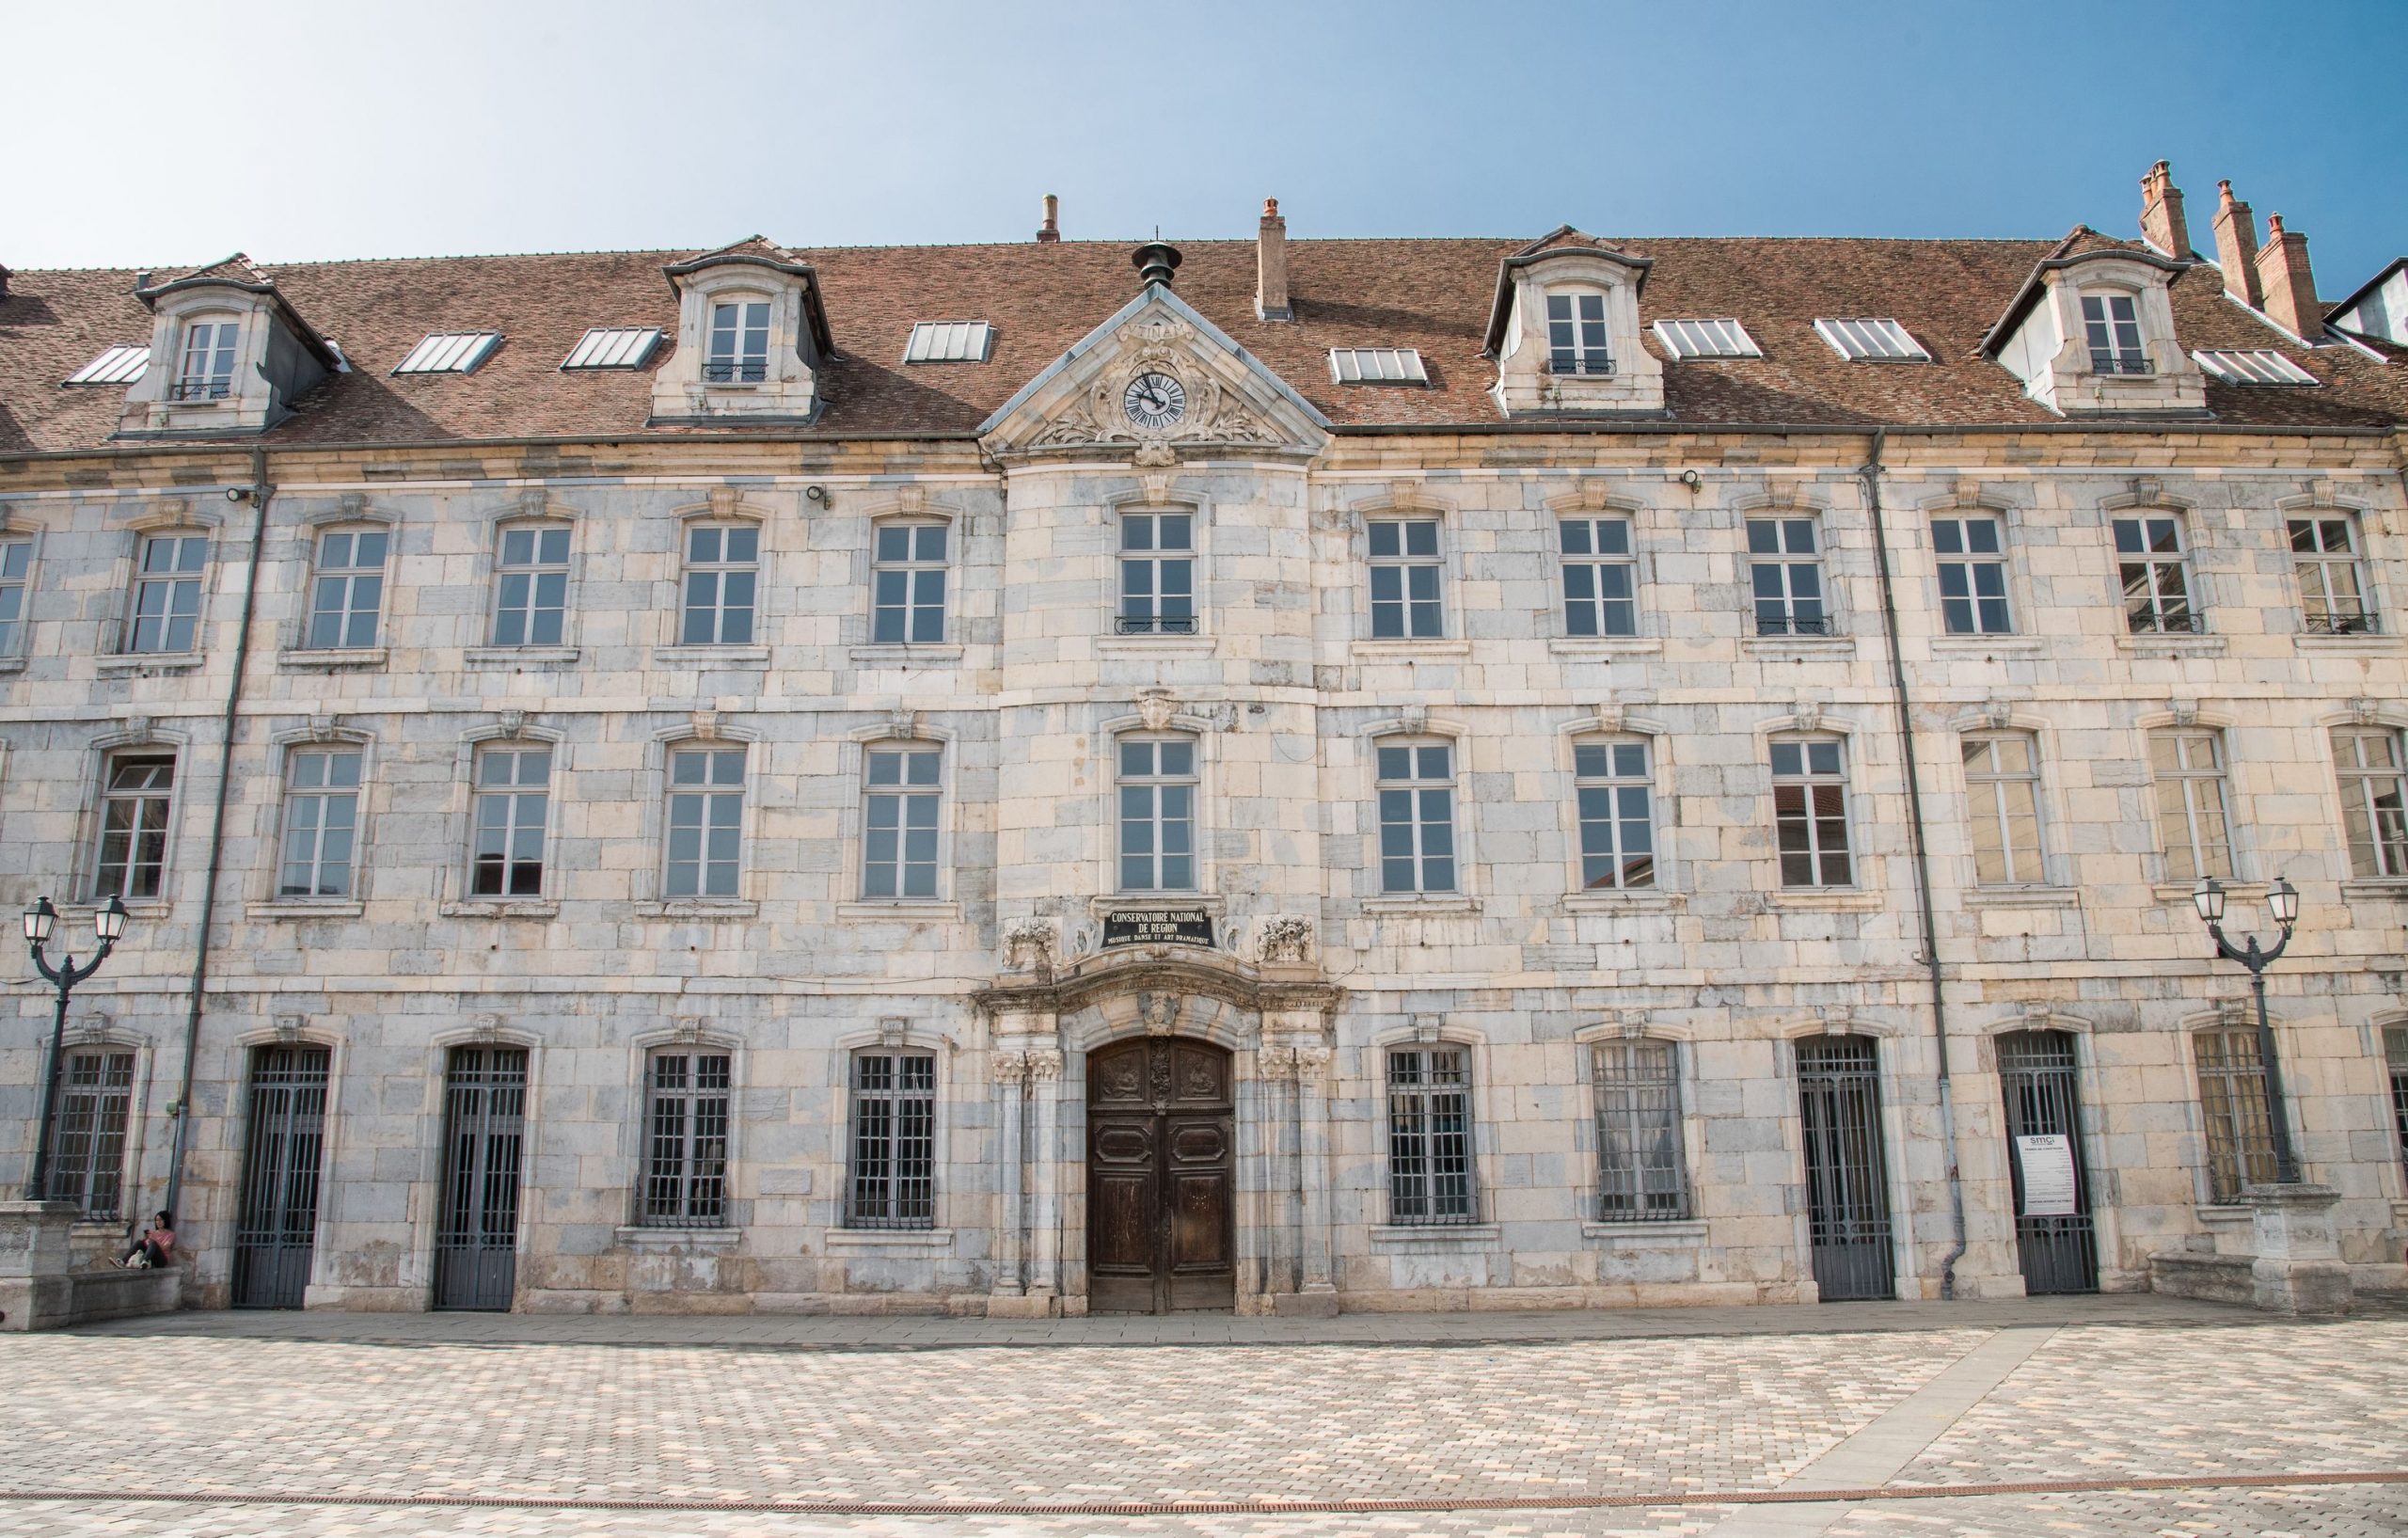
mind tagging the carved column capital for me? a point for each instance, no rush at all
(1044, 1064)
(1010, 1067)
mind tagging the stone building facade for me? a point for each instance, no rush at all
(1377, 774)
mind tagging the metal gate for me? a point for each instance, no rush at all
(485, 1120)
(1839, 1097)
(277, 1223)
(2035, 1070)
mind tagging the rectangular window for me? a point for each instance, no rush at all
(2113, 327)
(1576, 334)
(949, 342)
(208, 367)
(513, 797)
(2155, 570)
(1157, 815)
(1785, 574)
(722, 571)
(685, 1176)
(2395, 1054)
(87, 1141)
(1416, 790)
(133, 855)
(1157, 574)
(2331, 583)
(907, 583)
(892, 1184)
(2374, 802)
(1377, 366)
(899, 823)
(531, 587)
(613, 347)
(1430, 1137)
(1600, 578)
(167, 592)
(321, 822)
(1617, 815)
(1971, 555)
(1405, 579)
(2263, 366)
(2003, 805)
(119, 365)
(2232, 1100)
(706, 821)
(1706, 338)
(2187, 765)
(16, 566)
(1871, 339)
(1809, 812)
(450, 352)
(740, 348)
(1638, 1131)
(350, 590)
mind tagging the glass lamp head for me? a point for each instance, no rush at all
(39, 920)
(108, 925)
(2208, 897)
(2282, 900)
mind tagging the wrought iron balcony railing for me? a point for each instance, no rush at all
(200, 389)
(732, 372)
(2342, 625)
(1570, 364)
(1793, 625)
(1161, 625)
(2128, 363)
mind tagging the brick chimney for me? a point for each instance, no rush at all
(2288, 286)
(2162, 222)
(2237, 245)
(1271, 265)
(1051, 230)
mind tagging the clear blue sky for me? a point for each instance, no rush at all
(161, 133)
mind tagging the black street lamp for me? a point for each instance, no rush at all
(108, 926)
(2283, 902)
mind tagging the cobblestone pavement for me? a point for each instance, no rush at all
(201, 1407)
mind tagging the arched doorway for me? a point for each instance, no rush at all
(1161, 1177)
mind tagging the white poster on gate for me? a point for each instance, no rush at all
(2047, 1161)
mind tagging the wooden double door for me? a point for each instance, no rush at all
(1161, 1177)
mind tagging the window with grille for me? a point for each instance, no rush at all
(88, 1139)
(2153, 563)
(1616, 797)
(1417, 791)
(739, 343)
(349, 593)
(1785, 575)
(685, 1174)
(1576, 334)
(893, 1181)
(907, 582)
(2374, 800)
(2232, 1102)
(206, 370)
(1809, 812)
(1639, 1173)
(1157, 574)
(531, 586)
(722, 575)
(16, 571)
(2192, 824)
(321, 822)
(167, 592)
(1600, 578)
(135, 796)
(2111, 324)
(1157, 813)
(512, 798)
(1972, 556)
(1405, 579)
(2331, 581)
(1430, 1137)
(2395, 1053)
(705, 823)
(2002, 808)
(899, 822)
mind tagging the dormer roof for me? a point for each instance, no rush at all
(760, 251)
(2082, 245)
(238, 271)
(2357, 295)
(1564, 240)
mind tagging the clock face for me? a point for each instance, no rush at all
(1154, 401)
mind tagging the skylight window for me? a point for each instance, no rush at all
(451, 352)
(614, 347)
(950, 342)
(120, 365)
(1377, 366)
(2265, 367)
(1706, 338)
(1872, 340)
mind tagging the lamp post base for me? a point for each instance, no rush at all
(2298, 1269)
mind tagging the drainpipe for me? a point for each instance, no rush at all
(1871, 475)
(258, 493)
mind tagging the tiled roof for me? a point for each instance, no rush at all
(1433, 295)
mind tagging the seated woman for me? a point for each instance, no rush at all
(157, 1246)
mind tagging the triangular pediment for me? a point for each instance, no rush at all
(1107, 396)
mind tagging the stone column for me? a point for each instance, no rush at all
(1316, 1293)
(1045, 1270)
(2299, 1268)
(1011, 1078)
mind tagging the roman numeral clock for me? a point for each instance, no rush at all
(1154, 401)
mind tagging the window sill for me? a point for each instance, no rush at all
(1624, 902)
(1826, 898)
(1199, 646)
(1955, 646)
(902, 910)
(2352, 644)
(13, 664)
(905, 655)
(500, 907)
(2021, 896)
(893, 1240)
(1412, 1237)
(79, 914)
(1641, 1231)
(711, 657)
(1447, 904)
(1428, 646)
(698, 908)
(2226, 1213)
(643, 1236)
(2238, 898)
(2150, 643)
(1605, 646)
(533, 656)
(330, 658)
(149, 663)
(2375, 889)
(1802, 645)
(321, 908)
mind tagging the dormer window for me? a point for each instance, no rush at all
(2262, 367)
(1575, 335)
(451, 352)
(207, 371)
(2091, 333)
(120, 365)
(1565, 333)
(740, 344)
(2113, 324)
(1872, 339)
(752, 337)
(228, 355)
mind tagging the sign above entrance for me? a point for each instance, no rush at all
(1159, 927)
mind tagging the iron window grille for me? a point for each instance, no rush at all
(1157, 574)
(2331, 581)
(2193, 823)
(1785, 575)
(2112, 326)
(16, 569)
(1417, 791)
(1405, 579)
(685, 1180)
(2153, 562)
(899, 823)
(207, 371)
(513, 799)
(1972, 558)
(2374, 800)
(892, 1183)
(1575, 335)
(530, 587)
(706, 822)
(349, 595)
(1600, 578)
(738, 353)
(2395, 1051)
(88, 1139)
(907, 582)
(723, 581)
(2003, 796)
(321, 822)
(1429, 1180)
(132, 860)
(1809, 812)
(1615, 797)
(1157, 785)
(1639, 1167)
(2232, 1102)
(167, 592)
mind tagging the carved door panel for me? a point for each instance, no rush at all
(1161, 1177)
